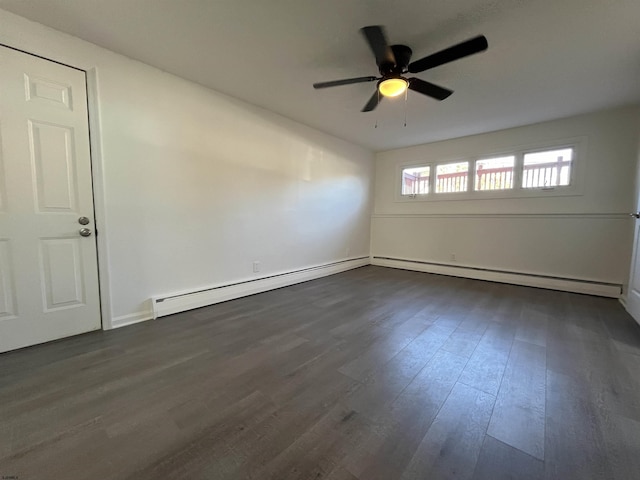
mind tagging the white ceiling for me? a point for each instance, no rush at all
(546, 58)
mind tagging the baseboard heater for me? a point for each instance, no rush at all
(188, 300)
(530, 280)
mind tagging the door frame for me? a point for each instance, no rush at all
(96, 160)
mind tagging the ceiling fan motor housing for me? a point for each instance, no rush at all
(402, 54)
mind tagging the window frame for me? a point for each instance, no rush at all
(515, 177)
(538, 150)
(429, 184)
(435, 177)
(576, 176)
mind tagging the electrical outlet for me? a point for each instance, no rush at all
(256, 267)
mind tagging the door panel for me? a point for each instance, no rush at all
(48, 272)
(61, 268)
(52, 149)
(48, 91)
(7, 282)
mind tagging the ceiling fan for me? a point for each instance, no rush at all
(393, 63)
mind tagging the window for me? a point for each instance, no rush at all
(452, 177)
(547, 169)
(495, 173)
(415, 180)
(531, 171)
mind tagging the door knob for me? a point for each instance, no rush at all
(83, 221)
(635, 215)
(85, 232)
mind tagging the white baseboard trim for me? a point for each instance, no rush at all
(515, 278)
(130, 319)
(623, 301)
(180, 302)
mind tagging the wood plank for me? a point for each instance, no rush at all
(389, 445)
(574, 443)
(463, 341)
(621, 437)
(499, 461)
(386, 348)
(384, 384)
(532, 327)
(451, 446)
(486, 366)
(518, 417)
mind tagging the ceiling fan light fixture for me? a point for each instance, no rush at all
(392, 87)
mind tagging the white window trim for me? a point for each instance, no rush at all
(575, 188)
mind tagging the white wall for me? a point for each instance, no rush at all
(586, 237)
(195, 185)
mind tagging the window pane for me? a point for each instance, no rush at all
(495, 173)
(415, 180)
(547, 169)
(452, 177)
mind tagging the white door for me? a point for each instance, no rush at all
(48, 271)
(633, 297)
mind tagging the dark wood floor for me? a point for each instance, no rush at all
(371, 374)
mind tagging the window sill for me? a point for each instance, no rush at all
(493, 195)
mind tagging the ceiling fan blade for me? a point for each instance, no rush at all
(379, 46)
(346, 81)
(373, 102)
(461, 50)
(426, 88)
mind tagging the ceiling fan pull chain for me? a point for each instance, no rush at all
(378, 92)
(405, 107)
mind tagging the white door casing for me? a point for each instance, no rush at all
(48, 272)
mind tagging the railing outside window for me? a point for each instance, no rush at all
(541, 169)
(452, 182)
(541, 175)
(494, 178)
